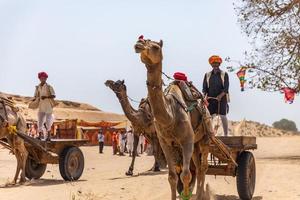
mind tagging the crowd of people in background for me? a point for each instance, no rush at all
(122, 143)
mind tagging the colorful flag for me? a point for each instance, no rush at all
(241, 74)
(289, 94)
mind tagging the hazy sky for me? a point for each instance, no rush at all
(83, 43)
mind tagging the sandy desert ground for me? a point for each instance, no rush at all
(278, 177)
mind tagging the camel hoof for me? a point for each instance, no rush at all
(129, 173)
(156, 169)
(22, 181)
(11, 183)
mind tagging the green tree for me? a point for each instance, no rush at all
(274, 29)
(285, 124)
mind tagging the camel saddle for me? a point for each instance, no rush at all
(192, 96)
(191, 103)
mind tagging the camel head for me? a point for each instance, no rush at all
(118, 87)
(151, 51)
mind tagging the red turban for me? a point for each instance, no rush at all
(180, 76)
(214, 59)
(42, 75)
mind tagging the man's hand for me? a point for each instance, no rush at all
(205, 100)
(220, 96)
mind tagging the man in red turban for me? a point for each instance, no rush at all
(215, 87)
(44, 97)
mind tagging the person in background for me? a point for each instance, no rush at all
(114, 143)
(101, 140)
(141, 144)
(122, 138)
(130, 142)
(45, 93)
(215, 88)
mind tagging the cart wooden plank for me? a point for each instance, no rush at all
(239, 142)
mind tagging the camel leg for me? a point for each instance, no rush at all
(156, 166)
(17, 154)
(204, 166)
(186, 176)
(197, 162)
(172, 171)
(201, 163)
(24, 159)
(135, 145)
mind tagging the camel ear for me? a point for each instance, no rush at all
(123, 81)
(161, 43)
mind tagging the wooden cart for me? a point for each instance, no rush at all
(244, 171)
(240, 164)
(64, 152)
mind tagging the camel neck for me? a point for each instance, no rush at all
(156, 96)
(129, 111)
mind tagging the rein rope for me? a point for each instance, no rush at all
(131, 99)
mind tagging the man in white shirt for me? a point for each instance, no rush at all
(101, 140)
(45, 93)
(141, 144)
(122, 140)
(130, 142)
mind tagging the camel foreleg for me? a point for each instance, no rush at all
(24, 156)
(173, 178)
(186, 176)
(134, 152)
(201, 163)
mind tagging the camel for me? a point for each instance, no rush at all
(142, 123)
(176, 126)
(9, 118)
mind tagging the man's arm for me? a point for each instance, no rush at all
(226, 87)
(205, 86)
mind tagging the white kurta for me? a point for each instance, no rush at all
(130, 141)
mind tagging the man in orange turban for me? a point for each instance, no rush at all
(215, 87)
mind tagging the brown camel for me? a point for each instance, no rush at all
(175, 126)
(9, 118)
(142, 123)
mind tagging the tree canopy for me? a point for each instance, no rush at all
(274, 29)
(285, 124)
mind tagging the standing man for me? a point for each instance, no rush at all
(44, 95)
(130, 142)
(215, 88)
(114, 143)
(141, 143)
(101, 140)
(122, 138)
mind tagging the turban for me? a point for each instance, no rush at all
(180, 76)
(42, 75)
(214, 59)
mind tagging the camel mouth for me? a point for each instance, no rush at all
(108, 83)
(139, 48)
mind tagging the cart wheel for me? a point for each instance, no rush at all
(71, 163)
(192, 183)
(34, 170)
(245, 176)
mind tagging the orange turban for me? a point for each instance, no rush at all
(214, 59)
